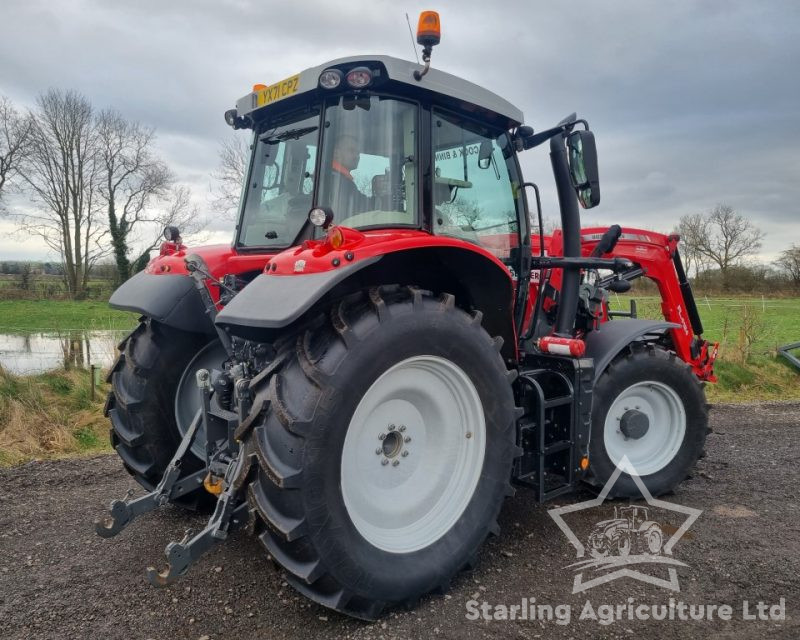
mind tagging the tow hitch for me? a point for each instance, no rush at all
(222, 475)
(229, 515)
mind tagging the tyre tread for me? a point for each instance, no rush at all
(279, 521)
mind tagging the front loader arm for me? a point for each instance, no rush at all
(656, 257)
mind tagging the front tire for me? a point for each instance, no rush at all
(650, 409)
(353, 530)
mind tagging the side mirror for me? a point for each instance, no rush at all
(583, 167)
(485, 154)
(172, 234)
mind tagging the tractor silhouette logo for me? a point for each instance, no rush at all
(629, 531)
(632, 538)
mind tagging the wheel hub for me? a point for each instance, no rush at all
(646, 424)
(394, 444)
(634, 424)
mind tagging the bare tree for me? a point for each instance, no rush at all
(63, 172)
(549, 224)
(691, 228)
(14, 135)
(133, 178)
(174, 208)
(230, 175)
(789, 262)
(723, 237)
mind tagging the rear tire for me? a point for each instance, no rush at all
(649, 380)
(350, 531)
(141, 403)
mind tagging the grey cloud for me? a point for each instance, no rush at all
(692, 103)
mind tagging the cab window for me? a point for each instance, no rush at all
(368, 167)
(280, 186)
(473, 193)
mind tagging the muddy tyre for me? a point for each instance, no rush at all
(154, 367)
(384, 439)
(649, 408)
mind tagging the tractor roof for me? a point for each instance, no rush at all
(445, 85)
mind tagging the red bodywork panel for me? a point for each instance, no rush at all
(315, 256)
(652, 251)
(221, 260)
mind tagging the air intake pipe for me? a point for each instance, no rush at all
(571, 228)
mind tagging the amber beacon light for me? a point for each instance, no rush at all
(429, 30)
(429, 33)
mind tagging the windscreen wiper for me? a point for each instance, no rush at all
(290, 134)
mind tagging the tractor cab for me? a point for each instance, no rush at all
(634, 515)
(378, 149)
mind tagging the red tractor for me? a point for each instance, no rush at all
(365, 399)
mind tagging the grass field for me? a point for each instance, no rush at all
(51, 414)
(18, 316)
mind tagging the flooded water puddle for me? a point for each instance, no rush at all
(36, 352)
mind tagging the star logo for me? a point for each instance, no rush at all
(629, 539)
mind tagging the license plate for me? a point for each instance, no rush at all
(277, 91)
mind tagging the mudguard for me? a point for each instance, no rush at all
(275, 301)
(169, 299)
(604, 343)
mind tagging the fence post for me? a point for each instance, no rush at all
(92, 369)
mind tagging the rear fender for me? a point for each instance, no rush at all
(604, 343)
(276, 300)
(170, 299)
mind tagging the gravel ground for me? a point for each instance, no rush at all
(59, 580)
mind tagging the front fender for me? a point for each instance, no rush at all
(604, 343)
(170, 299)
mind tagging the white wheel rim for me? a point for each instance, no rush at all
(667, 427)
(405, 490)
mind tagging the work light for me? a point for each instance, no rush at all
(330, 78)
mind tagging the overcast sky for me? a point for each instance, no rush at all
(692, 103)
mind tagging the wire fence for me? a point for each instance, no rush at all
(41, 286)
(45, 291)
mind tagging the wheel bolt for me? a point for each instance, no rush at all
(381, 436)
(378, 451)
(385, 461)
(395, 463)
(391, 427)
(402, 428)
(407, 439)
(404, 454)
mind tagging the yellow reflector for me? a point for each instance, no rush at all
(213, 484)
(584, 463)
